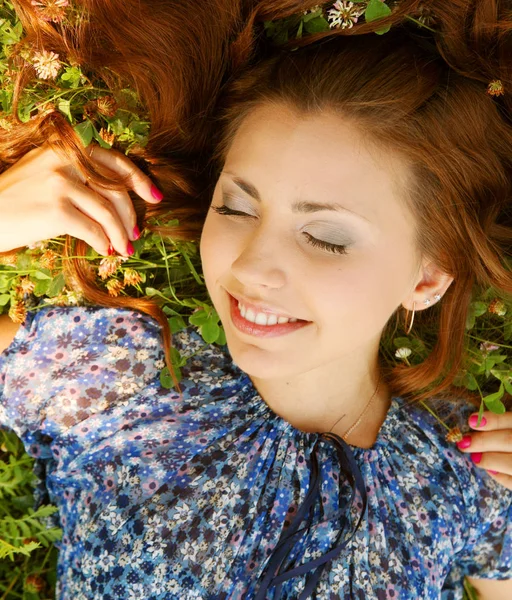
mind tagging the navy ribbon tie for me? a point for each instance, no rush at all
(273, 575)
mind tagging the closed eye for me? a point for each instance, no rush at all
(334, 248)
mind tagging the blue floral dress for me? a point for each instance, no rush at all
(216, 496)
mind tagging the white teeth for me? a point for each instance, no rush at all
(261, 318)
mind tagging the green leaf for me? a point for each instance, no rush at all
(176, 324)
(492, 399)
(4, 299)
(41, 288)
(377, 10)
(497, 407)
(469, 381)
(317, 25)
(221, 340)
(71, 77)
(99, 139)
(65, 107)
(85, 132)
(166, 378)
(210, 331)
(42, 274)
(56, 285)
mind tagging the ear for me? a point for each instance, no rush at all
(430, 282)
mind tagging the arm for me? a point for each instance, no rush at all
(8, 330)
(492, 589)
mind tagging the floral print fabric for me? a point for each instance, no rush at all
(168, 498)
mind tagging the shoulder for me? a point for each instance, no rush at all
(421, 439)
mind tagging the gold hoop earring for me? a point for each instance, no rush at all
(412, 320)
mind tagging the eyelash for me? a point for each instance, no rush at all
(334, 248)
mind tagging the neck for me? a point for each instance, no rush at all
(312, 407)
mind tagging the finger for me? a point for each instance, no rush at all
(504, 480)
(492, 421)
(123, 206)
(104, 216)
(139, 182)
(493, 461)
(499, 440)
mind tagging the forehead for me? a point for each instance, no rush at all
(319, 156)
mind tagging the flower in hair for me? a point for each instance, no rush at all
(403, 352)
(495, 88)
(344, 14)
(47, 64)
(51, 10)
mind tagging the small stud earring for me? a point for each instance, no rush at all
(437, 297)
(426, 301)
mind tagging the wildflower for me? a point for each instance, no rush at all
(34, 583)
(38, 245)
(495, 88)
(344, 14)
(48, 258)
(488, 347)
(26, 286)
(454, 435)
(403, 352)
(51, 10)
(110, 138)
(47, 64)
(74, 298)
(107, 106)
(131, 277)
(114, 287)
(17, 311)
(497, 307)
(312, 10)
(10, 259)
(108, 266)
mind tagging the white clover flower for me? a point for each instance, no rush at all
(403, 352)
(344, 14)
(47, 64)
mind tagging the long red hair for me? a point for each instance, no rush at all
(420, 94)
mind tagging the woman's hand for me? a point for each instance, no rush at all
(42, 196)
(491, 445)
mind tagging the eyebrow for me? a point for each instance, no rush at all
(297, 207)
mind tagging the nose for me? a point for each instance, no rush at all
(260, 262)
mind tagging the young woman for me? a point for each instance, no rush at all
(354, 177)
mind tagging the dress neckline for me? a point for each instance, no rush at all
(252, 397)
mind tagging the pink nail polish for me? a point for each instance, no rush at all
(129, 249)
(156, 193)
(136, 232)
(473, 420)
(465, 442)
(476, 457)
(493, 472)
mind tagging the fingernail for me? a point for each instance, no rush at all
(473, 420)
(156, 193)
(465, 442)
(476, 457)
(493, 472)
(136, 232)
(110, 250)
(129, 249)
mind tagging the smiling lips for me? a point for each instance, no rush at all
(270, 330)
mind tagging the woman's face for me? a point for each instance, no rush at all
(285, 158)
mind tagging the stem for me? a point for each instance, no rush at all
(11, 585)
(420, 23)
(474, 337)
(434, 415)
